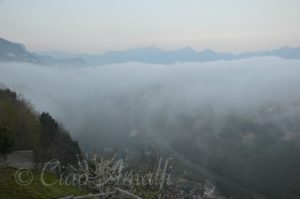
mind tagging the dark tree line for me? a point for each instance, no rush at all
(22, 128)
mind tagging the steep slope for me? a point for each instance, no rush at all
(21, 128)
(15, 52)
(10, 51)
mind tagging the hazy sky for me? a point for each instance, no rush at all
(95, 26)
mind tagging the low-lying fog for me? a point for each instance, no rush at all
(120, 98)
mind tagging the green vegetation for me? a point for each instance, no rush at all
(10, 189)
(6, 140)
(22, 128)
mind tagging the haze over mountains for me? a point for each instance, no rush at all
(153, 55)
(10, 51)
(233, 118)
(15, 52)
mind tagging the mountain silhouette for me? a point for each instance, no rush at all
(10, 51)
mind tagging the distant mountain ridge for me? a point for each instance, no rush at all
(153, 55)
(10, 51)
(15, 52)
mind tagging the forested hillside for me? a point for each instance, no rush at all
(22, 128)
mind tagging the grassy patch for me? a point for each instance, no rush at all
(10, 189)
